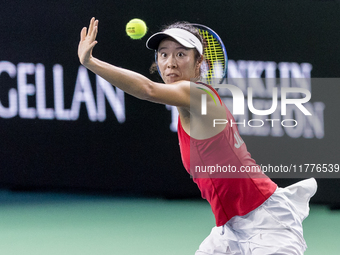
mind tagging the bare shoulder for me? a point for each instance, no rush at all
(205, 101)
(181, 94)
(205, 107)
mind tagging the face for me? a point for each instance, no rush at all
(175, 62)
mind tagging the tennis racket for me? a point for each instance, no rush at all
(215, 65)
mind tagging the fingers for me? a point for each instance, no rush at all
(83, 34)
(91, 32)
(95, 31)
(91, 25)
(87, 41)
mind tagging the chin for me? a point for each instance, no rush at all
(172, 80)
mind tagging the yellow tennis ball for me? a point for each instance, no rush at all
(136, 28)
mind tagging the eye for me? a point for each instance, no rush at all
(163, 55)
(180, 54)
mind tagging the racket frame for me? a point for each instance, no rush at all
(219, 40)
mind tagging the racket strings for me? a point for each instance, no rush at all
(214, 56)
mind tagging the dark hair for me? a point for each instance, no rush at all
(188, 27)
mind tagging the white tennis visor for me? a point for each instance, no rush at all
(182, 36)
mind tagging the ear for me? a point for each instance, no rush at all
(199, 63)
(200, 60)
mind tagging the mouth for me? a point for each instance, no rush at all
(172, 75)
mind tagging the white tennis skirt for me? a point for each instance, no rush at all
(275, 227)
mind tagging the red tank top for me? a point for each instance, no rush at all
(229, 193)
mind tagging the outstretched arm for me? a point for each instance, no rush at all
(177, 94)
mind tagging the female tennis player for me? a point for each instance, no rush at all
(253, 215)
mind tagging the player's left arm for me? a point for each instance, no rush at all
(135, 84)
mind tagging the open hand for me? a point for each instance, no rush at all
(87, 42)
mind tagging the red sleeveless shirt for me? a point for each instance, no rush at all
(218, 165)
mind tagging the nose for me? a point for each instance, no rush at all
(171, 63)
